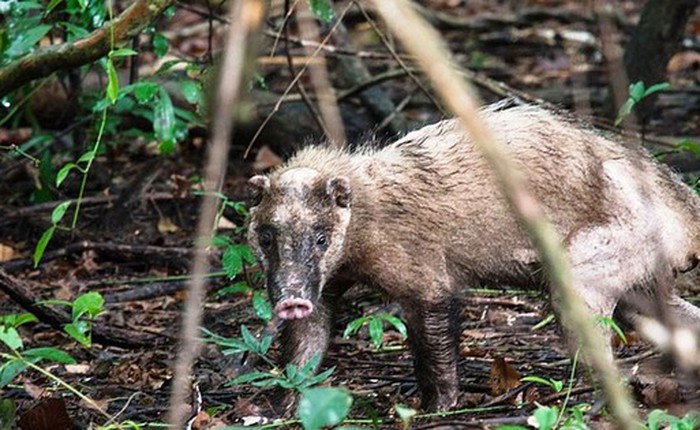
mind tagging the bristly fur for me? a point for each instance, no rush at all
(424, 217)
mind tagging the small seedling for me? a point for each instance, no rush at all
(375, 323)
(555, 384)
(637, 92)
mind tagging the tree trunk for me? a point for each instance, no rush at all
(655, 39)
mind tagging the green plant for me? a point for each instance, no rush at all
(84, 309)
(56, 216)
(406, 414)
(555, 384)
(637, 92)
(658, 419)
(610, 323)
(375, 323)
(323, 407)
(19, 359)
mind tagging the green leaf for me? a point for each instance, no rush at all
(232, 261)
(25, 40)
(63, 173)
(87, 156)
(50, 353)
(546, 417)
(636, 91)
(77, 331)
(9, 370)
(249, 339)
(262, 306)
(144, 91)
(290, 371)
(557, 384)
(688, 145)
(625, 110)
(160, 45)
(405, 413)
(248, 377)
(240, 287)
(16, 320)
(318, 378)
(656, 88)
(59, 211)
(192, 91)
(123, 52)
(265, 344)
(10, 337)
(376, 332)
(90, 303)
(164, 122)
(41, 245)
(311, 365)
(323, 9)
(396, 323)
(321, 407)
(8, 414)
(112, 82)
(51, 6)
(353, 326)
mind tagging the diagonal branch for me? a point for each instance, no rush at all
(45, 61)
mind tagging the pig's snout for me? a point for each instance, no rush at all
(295, 308)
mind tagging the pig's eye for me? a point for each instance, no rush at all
(266, 239)
(321, 239)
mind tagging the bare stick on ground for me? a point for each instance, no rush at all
(246, 15)
(424, 43)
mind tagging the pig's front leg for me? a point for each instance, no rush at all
(433, 330)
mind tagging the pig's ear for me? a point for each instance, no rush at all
(259, 185)
(338, 189)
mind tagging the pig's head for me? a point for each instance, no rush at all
(297, 231)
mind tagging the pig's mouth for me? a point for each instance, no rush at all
(291, 309)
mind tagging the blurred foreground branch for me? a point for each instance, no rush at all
(246, 15)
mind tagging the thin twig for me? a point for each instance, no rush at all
(327, 103)
(286, 92)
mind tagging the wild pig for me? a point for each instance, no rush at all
(424, 217)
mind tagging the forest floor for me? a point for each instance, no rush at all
(136, 252)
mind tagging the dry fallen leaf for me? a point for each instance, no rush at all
(6, 253)
(225, 224)
(503, 377)
(266, 159)
(77, 369)
(165, 226)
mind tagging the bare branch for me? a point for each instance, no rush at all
(45, 61)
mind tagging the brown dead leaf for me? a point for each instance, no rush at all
(266, 159)
(77, 369)
(663, 392)
(166, 226)
(182, 185)
(225, 224)
(34, 391)
(6, 253)
(683, 60)
(48, 414)
(503, 377)
(204, 422)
